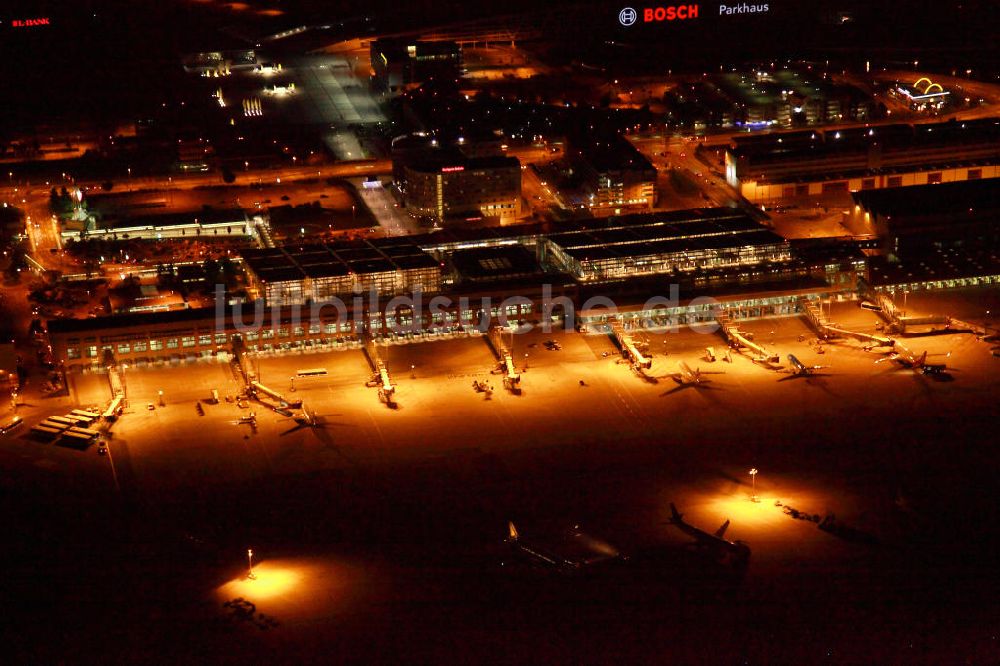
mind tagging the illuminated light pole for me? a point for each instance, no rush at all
(753, 478)
(250, 574)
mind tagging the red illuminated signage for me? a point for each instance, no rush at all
(452, 169)
(672, 13)
(31, 22)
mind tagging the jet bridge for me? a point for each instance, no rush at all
(740, 340)
(381, 377)
(117, 382)
(897, 319)
(630, 349)
(252, 386)
(116, 379)
(511, 379)
(826, 329)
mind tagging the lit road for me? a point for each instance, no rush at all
(542, 197)
(380, 202)
(676, 152)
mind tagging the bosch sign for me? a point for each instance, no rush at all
(671, 13)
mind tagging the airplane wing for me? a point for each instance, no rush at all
(722, 530)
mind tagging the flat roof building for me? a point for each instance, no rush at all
(718, 252)
(398, 64)
(674, 243)
(295, 275)
(444, 185)
(913, 220)
(771, 168)
(615, 174)
(200, 225)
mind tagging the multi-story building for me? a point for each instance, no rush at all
(615, 174)
(445, 185)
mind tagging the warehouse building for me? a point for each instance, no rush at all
(776, 167)
(913, 220)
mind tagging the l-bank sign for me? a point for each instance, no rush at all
(629, 16)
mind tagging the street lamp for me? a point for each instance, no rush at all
(753, 478)
(250, 574)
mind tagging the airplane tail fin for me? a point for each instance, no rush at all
(512, 534)
(722, 530)
(675, 515)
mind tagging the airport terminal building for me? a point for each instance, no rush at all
(295, 275)
(666, 243)
(512, 274)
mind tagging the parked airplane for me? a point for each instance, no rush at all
(687, 375)
(800, 369)
(730, 552)
(567, 552)
(907, 359)
(306, 418)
